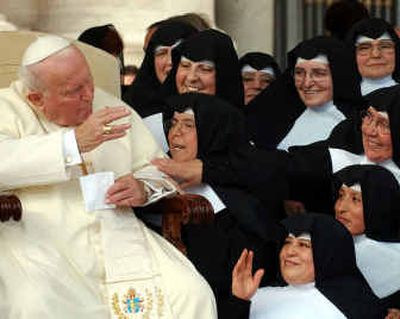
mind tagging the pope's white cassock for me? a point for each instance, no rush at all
(62, 261)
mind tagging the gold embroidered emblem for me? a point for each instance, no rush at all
(133, 305)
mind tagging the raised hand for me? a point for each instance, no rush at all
(244, 284)
(97, 128)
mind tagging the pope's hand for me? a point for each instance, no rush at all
(126, 191)
(97, 128)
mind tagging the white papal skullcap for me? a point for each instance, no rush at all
(43, 47)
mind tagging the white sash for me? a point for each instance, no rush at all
(132, 281)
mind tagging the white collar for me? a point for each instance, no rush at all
(369, 85)
(379, 263)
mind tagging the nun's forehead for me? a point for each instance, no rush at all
(321, 60)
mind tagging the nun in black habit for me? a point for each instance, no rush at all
(368, 205)
(258, 70)
(144, 93)
(204, 63)
(371, 138)
(215, 49)
(201, 126)
(376, 48)
(319, 272)
(317, 91)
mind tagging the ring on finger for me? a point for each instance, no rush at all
(107, 129)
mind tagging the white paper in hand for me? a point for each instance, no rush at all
(94, 188)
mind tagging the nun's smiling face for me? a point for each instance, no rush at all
(196, 77)
(182, 137)
(376, 59)
(376, 136)
(313, 82)
(349, 210)
(296, 260)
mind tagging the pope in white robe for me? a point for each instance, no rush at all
(67, 257)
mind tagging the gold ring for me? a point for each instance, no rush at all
(107, 129)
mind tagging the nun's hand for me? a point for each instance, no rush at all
(244, 284)
(393, 313)
(186, 174)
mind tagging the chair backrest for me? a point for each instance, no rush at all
(104, 66)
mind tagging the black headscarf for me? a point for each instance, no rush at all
(271, 114)
(336, 274)
(142, 94)
(217, 47)
(380, 198)
(221, 139)
(219, 125)
(104, 37)
(259, 61)
(347, 135)
(374, 28)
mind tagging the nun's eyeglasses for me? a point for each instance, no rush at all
(317, 74)
(384, 46)
(185, 126)
(374, 120)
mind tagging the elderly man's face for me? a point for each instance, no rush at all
(376, 59)
(349, 210)
(313, 82)
(296, 261)
(67, 96)
(376, 136)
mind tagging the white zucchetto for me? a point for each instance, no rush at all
(43, 47)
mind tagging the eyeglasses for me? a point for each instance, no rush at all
(373, 120)
(384, 46)
(264, 79)
(317, 74)
(185, 126)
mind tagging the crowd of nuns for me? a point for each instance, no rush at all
(301, 167)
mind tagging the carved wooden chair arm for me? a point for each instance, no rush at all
(10, 207)
(182, 210)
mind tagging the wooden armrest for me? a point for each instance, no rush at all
(10, 206)
(182, 210)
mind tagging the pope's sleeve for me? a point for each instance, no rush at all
(144, 149)
(31, 160)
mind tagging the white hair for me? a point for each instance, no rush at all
(37, 52)
(30, 79)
